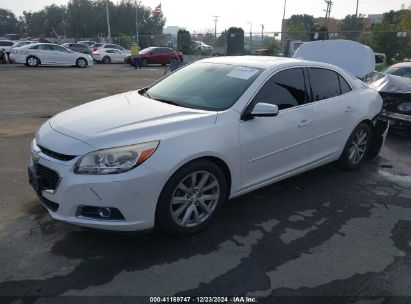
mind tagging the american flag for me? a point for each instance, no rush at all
(157, 10)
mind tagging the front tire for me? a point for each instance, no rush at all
(81, 63)
(32, 61)
(356, 147)
(191, 198)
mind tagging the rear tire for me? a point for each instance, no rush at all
(191, 198)
(32, 61)
(106, 60)
(356, 148)
(81, 63)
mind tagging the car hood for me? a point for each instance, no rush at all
(128, 118)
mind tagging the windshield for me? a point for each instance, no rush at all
(147, 50)
(399, 71)
(206, 86)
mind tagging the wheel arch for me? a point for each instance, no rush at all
(213, 158)
(28, 56)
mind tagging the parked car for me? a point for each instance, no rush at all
(78, 47)
(22, 43)
(394, 87)
(172, 153)
(159, 55)
(201, 46)
(400, 69)
(6, 45)
(89, 43)
(380, 62)
(109, 56)
(37, 54)
(99, 46)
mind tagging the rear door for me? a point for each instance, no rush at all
(272, 147)
(334, 109)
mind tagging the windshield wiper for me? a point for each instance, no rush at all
(171, 102)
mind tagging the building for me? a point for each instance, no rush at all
(172, 30)
(375, 18)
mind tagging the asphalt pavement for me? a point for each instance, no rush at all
(324, 233)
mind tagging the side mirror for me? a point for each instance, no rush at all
(262, 109)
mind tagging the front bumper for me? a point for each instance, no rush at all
(397, 121)
(134, 194)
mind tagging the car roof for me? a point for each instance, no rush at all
(401, 65)
(260, 62)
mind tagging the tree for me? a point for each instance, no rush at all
(184, 41)
(353, 26)
(8, 22)
(235, 41)
(385, 40)
(299, 26)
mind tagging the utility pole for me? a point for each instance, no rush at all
(356, 11)
(108, 23)
(285, 5)
(251, 35)
(328, 11)
(215, 25)
(136, 22)
(262, 35)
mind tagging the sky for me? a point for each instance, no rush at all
(197, 16)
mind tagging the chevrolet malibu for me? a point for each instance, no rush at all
(36, 54)
(172, 153)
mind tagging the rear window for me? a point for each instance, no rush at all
(324, 84)
(98, 44)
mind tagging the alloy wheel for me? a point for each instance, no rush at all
(358, 147)
(195, 199)
(32, 62)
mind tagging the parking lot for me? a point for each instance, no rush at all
(323, 233)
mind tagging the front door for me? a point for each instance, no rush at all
(274, 146)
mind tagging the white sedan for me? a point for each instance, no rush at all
(172, 153)
(109, 56)
(36, 54)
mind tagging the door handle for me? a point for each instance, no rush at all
(349, 109)
(304, 123)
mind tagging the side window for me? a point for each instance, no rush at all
(324, 84)
(345, 87)
(285, 89)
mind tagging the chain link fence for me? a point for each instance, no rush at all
(392, 45)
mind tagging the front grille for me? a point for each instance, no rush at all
(48, 179)
(55, 155)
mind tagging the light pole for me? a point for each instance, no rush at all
(356, 11)
(136, 22)
(108, 23)
(251, 30)
(262, 35)
(285, 5)
(215, 25)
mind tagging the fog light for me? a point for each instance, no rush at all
(104, 212)
(100, 213)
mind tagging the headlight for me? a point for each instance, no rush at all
(404, 107)
(115, 160)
